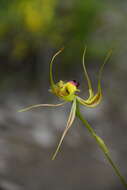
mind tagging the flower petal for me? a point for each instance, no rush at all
(50, 70)
(91, 92)
(69, 123)
(41, 105)
(94, 100)
(101, 69)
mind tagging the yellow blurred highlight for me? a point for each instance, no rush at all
(32, 19)
(38, 15)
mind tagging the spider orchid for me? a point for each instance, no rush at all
(67, 91)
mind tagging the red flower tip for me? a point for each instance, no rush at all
(75, 83)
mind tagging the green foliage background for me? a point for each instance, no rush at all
(26, 24)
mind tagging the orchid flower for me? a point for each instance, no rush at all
(68, 92)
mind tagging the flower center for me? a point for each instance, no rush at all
(75, 83)
(66, 90)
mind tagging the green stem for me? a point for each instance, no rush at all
(101, 144)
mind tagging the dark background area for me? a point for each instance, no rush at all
(31, 31)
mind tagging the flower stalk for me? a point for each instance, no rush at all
(101, 144)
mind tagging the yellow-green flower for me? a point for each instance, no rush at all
(68, 92)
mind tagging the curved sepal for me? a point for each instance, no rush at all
(69, 123)
(50, 70)
(40, 105)
(101, 69)
(91, 92)
(94, 100)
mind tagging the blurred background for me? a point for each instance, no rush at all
(31, 31)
